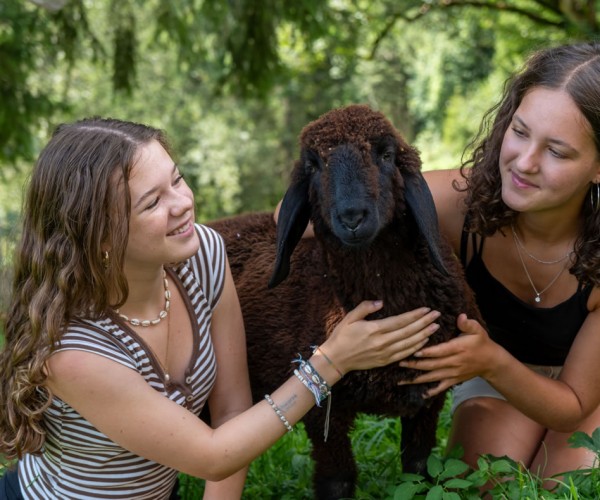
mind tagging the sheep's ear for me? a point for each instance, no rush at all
(420, 202)
(294, 215)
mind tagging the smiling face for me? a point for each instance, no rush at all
(161, 224)
(548, 156)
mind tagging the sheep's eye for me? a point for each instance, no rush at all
(311, 166)
(388, 156)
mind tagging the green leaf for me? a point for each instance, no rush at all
(477, 478)
(596, 439)
(458, 483)
(405, 491)
(457, 451)
(582, 440)
(435, 493)
(434, 466)
(453, 467)
(482, 464)
(410, 477)
(501, 466)
(450, 495)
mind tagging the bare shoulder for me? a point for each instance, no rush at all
(449, 202)
(97, 387)
(76, 371)
(68, 363)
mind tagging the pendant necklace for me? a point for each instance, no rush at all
(165, 367)
(538, 295)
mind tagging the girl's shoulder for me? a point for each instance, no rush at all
(449, 202)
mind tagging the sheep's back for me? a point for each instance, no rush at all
(286, 320)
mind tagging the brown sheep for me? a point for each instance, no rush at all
(376, 237)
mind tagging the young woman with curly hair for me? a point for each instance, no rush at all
(125, 321)
(524, 217)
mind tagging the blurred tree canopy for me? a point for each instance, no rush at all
(233, 82)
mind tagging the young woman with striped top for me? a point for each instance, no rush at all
(125, 321)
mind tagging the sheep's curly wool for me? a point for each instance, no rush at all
(376, 237)
(357, 125)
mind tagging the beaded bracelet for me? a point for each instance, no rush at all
(279, 413)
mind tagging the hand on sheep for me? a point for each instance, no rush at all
(469, 355)
(360, 344)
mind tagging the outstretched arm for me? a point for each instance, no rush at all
(231, 394)
(560, 404)
(119, 402)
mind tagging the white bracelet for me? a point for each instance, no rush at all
(279, 413)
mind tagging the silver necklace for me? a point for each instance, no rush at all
(538, 295)
(522, 247)
(161, 315)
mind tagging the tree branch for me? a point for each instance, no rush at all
(501, 6)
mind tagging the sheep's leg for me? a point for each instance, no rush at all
(419, 436)
(335, 469)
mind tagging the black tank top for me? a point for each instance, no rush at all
(539, 336)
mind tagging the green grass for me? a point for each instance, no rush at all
(284, 472)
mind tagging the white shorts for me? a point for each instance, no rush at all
(478, 387)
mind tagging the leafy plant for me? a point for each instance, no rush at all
(285, 471)
(452, 479)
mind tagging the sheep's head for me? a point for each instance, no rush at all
(355, 161)
(355, 173)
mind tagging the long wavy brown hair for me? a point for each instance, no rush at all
(77, 201)
(574, 69)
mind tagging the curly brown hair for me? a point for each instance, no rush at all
(77, 201)
(574, 69)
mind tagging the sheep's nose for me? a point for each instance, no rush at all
(351, 219)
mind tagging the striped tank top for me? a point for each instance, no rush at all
(78, 461)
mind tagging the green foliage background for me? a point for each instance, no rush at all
(233, 83)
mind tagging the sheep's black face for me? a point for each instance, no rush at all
(352, 189)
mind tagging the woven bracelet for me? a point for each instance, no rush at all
(311, 379)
